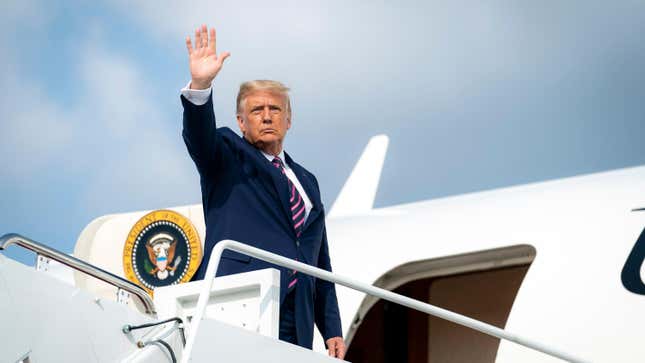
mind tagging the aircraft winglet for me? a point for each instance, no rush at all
(358, 193)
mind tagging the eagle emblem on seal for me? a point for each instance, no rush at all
(161, 252)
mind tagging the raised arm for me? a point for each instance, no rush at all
(199, 131)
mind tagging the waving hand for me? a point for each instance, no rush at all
(203, 59)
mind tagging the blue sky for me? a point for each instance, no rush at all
(473, 95)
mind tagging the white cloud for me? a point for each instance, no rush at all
(110, 136)
(115, 93)
(152, 172)
(35, 130)
(32, 14)
(145, 166)
(169, 22)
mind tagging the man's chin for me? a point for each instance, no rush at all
(269, 139)
(265, 143)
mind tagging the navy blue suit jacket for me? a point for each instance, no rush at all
(245, 198)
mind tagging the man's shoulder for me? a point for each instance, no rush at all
(227, 132)
(237, 146)
(230, 137)
(310, 174)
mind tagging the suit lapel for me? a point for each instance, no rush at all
(281, 185)
(309, 187)
(274, 182)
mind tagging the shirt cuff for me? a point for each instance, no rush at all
(197, 97)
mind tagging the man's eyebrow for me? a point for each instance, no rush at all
(271, 107)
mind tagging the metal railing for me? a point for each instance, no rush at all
(80, 265)
(352, 284)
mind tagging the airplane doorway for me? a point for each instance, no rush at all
(392, 333)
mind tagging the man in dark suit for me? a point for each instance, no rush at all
(255, 193)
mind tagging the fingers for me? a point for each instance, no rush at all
(212, 43)
(336, 348)
(340, 351)
(204, 36)
(189, 46)
(223, 56)
(201, 37)
(333, 348)
(198, 39)
(205, 40)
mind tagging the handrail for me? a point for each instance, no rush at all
(80, 265)
(352, 284)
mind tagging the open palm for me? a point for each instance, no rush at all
(203, 59)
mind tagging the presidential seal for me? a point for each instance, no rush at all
(162, 248)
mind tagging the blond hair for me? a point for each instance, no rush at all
(249, 87)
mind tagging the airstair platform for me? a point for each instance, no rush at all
(222, 342)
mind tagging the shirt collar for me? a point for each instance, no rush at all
(281, 156)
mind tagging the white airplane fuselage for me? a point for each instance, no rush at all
(582, 229)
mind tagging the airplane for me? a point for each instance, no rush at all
(559, 261)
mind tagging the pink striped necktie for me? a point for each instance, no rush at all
(297, 205)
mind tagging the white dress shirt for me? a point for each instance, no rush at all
(199, 97)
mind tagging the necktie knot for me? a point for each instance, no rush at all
(277, 163)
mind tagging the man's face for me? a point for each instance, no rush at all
(264, 118)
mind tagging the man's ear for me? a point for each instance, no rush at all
(241, 124)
